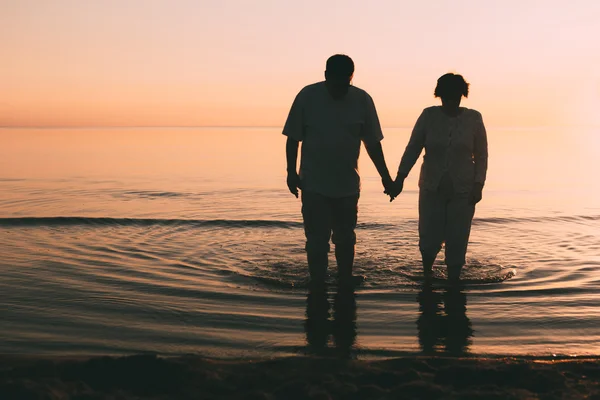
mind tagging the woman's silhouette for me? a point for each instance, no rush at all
(452, 175)
(443, 324)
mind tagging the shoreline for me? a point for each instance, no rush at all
(298, 377)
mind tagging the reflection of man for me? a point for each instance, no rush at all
(331, 119)
(318, 325)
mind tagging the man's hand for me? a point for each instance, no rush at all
(293, 183)
(397, 188)
(393, 189)
(388, 185)
(476, 194)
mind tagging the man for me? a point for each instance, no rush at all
(331, 118)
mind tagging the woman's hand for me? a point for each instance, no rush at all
(395, 188)
(476, 193)
(388, 184)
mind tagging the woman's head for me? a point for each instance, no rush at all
(451, 88)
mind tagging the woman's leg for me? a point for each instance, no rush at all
(458, 230)
(432, 221)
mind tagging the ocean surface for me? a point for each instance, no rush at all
(186, 240)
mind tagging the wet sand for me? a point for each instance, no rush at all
(194, 377)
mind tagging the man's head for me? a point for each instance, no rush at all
(338, 74)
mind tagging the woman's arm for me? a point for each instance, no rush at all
(480, 159)
(480, 153)
(411, 155)
(413, 149)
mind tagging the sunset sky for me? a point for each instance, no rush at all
(241, 62)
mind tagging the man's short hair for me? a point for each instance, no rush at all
(340, 65)
(451, 85)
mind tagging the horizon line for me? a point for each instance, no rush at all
(53, 127)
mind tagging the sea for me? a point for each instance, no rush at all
(176, 241)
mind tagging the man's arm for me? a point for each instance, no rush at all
(371, 137)
(375, 152)
(294, 130)
(291, 155)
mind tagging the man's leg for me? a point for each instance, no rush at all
(432, 220)
(458, 230)
(345, 214)
(316, 212)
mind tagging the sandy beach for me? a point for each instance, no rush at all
(195, 377)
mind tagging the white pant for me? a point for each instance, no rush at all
(445, 216)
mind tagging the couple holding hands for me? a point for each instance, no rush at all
(331, 118)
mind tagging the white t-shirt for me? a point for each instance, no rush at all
(331, 132)
(455, 147)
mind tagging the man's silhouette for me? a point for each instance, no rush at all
(331, 119)
(319, 326)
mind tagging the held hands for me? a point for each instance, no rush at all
(293, 183)
(393, 188)
(476, 194)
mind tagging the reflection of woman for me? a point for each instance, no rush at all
(459, 330)
(452, 175)
(446, 327)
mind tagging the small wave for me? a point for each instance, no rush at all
(17, 222)
(106, 221)
(12, 180)
(148, 194)
(565, 218)
(441, 277)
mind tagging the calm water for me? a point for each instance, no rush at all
(186, 241)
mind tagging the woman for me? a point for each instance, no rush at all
(452, 175)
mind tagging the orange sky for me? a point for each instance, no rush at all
(238, 62)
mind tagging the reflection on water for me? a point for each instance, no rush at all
(319, 327)
(443, 325)
(120, 241)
